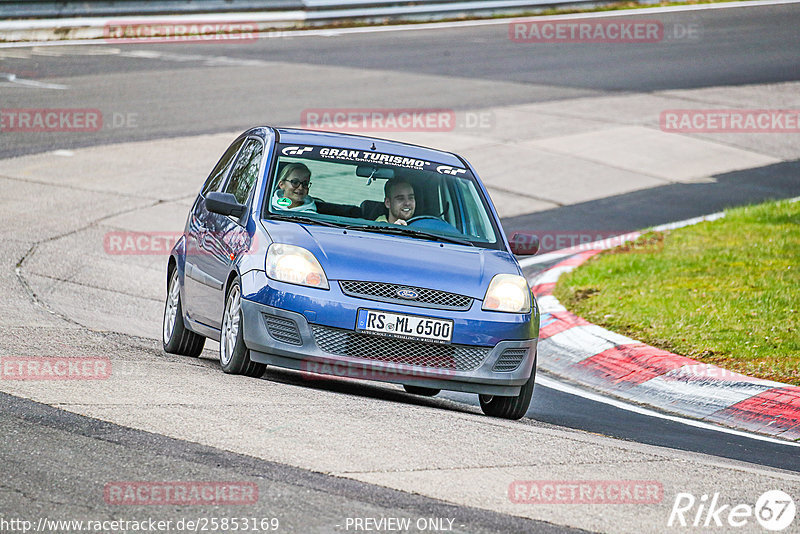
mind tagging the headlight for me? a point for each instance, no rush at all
(508, 293)
(295, 265)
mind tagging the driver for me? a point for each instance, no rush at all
(399, 200)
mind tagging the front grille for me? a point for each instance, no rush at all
(383, 292)
(282, 329)
(401, 351)
(509, 360)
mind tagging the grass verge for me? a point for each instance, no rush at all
(725, 292)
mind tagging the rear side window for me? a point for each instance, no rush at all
(245, 172)
(218, 174)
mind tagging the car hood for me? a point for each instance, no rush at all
(373, 257)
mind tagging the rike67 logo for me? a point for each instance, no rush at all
(774, 510)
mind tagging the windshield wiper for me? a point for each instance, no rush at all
(306, 220)
(404, 230)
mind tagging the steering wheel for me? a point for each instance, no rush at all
(431, 222)
(423, 218)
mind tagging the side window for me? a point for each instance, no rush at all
(477, 218)
(218, 174)
(245, 172)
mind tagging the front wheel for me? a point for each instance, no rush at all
(510, 407)
(175, 337)
(234, 356)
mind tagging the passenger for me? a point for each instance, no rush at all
(399, 200)
(292, 193)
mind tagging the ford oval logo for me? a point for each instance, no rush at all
(406, 293)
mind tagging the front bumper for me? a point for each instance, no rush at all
(283, 338)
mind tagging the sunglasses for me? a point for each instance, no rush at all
(297, 183)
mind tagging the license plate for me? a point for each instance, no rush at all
(404, 326)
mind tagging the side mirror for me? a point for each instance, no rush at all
(524, 243)
(224, 204)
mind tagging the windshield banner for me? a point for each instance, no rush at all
(347, 155)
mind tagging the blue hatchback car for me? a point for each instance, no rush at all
(354, 256)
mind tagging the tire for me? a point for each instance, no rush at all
(419, 390)
(510, 407)
(234, 356)
(175, 337)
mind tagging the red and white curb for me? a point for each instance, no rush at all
(590, 355)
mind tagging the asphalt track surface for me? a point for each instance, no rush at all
(97, 450)
(171, 94)
(563, 409)
(740, 46)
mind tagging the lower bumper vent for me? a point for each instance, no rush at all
(282, 329)
(509, 360)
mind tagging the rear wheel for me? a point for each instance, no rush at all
(510, 407)
(175, 337)
(419, 390)
(234, 356)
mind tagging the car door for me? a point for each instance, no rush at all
(198, 287)
(226, 234)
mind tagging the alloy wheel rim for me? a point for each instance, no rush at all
(171, 309)
(230, 326)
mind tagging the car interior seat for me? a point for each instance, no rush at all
(372, 209)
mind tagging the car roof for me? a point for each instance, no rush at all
(358, 142)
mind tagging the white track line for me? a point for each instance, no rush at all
(13, 80)
(221, 17)
(544, 258)
(552, 383)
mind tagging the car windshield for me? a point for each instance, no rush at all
(378, 192)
